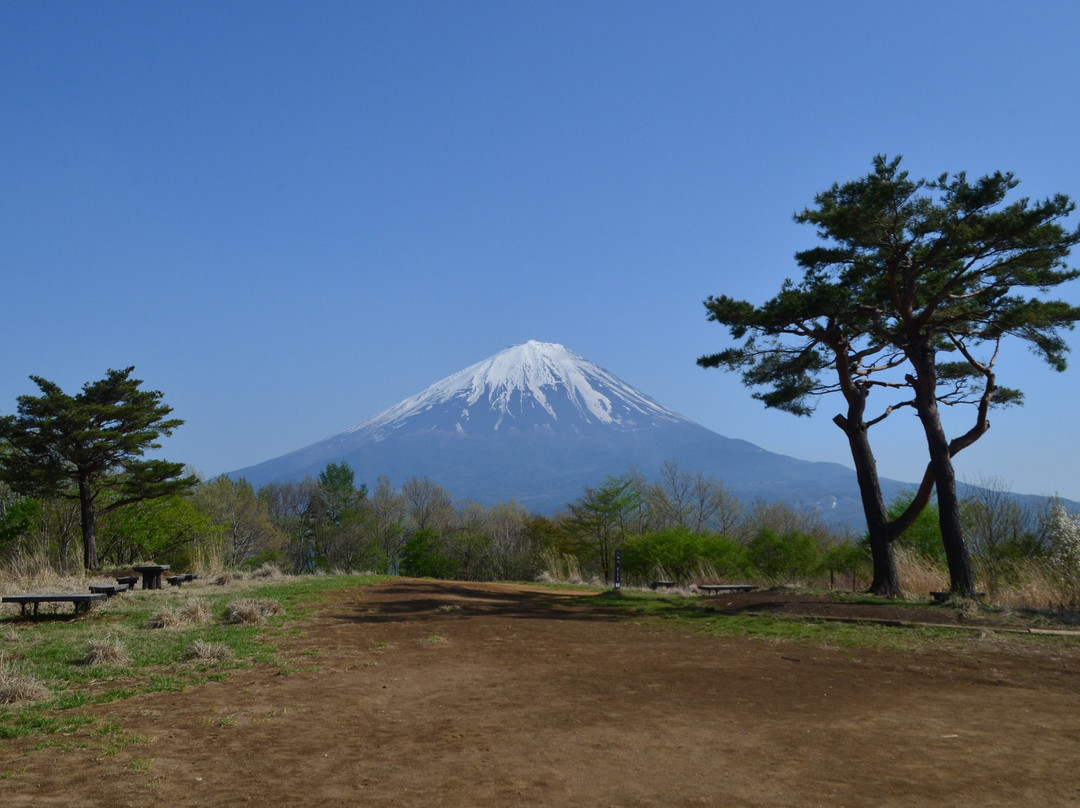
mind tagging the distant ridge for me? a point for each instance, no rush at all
(537, 423)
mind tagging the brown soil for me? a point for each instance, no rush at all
(422, 693)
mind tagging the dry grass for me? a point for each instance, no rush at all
(251, 610)
(17, 687)
(165, 618)
(106, 651)
(228, 577)
(267, 570)
(1037, 586)
(560, 568)
(25, 578)
(918, 574)
(204, 651)
(195, 611)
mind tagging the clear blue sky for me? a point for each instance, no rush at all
(290, 216)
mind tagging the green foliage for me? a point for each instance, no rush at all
(422, 556)
(90, 447)
(168, 530)
(924, 534)
(680, 554)
(601, 520)
(787, 558)
(18, 517)
(909, 269)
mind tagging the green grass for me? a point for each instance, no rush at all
(52, 650)
(700, 614)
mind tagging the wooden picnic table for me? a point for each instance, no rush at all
(151, 574)
(81, 599)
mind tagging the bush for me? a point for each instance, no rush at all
(17, 687)
(679, 553)
(196, 611)
(790, 558)
(106, 651)
(208, 651)
(251, 610)
(422, 556)
(166, 618)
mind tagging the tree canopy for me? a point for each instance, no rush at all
(910, 296)
(90, 447)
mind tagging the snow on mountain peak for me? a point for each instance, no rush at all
(508, 384)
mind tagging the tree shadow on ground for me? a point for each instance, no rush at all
(430, 600)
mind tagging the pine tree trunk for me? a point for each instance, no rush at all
(89, 527)
(961, 570)
(886, 581)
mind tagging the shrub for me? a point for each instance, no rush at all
(17, 687)
(422, 556)
(106, 651)
(251, 610)
(783, 559)
(208, 651)
(680, 554)
(266, 570)
(195, 611)
(166, 618)
(1063, 531)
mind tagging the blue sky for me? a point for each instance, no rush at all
(290, 216)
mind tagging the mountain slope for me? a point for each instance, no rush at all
(537, 423)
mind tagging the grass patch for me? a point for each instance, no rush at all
(76, 663)
(251, 610)
(700, 614)
(106, 651)
(17, 686)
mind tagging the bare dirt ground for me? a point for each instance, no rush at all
(423, 693)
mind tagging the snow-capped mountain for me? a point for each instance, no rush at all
(537, 423)
(538, 385)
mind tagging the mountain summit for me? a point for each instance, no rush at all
(538, 385)
(537, 423)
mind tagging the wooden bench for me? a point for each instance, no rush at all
(719, 589)
(180, 580)
(662, 584)
(80, 600)
(128, 580)
(108, 590)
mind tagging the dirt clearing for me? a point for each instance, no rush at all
(425, 693)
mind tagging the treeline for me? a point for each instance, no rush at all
(675, 525)
(678, 526)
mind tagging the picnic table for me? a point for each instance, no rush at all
(82, 600)
(719, 589)
(151, 574)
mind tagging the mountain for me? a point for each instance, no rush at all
(537, 423)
